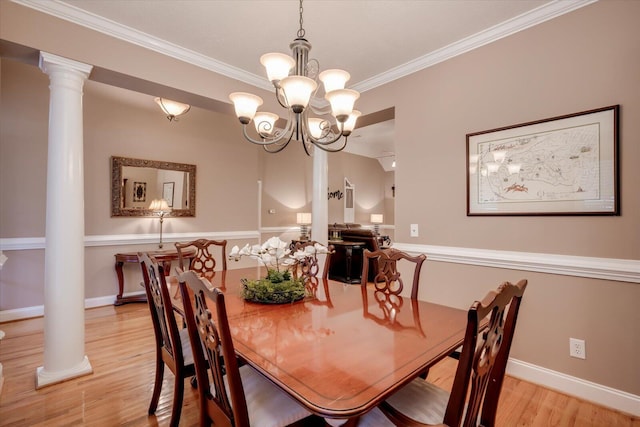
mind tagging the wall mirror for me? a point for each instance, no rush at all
(135, 183)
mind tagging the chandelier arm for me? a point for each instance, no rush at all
(279, 147)
(267, 141)
(332, 150)
(319, 142)
(281, 97)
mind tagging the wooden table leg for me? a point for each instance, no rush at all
(119, 298)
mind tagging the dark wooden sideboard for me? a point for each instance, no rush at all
(165, 257)
(346, 262)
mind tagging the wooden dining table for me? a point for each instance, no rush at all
(343, 349)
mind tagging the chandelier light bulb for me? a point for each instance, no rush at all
(334, 79)
(297, 91)
(277, 65)
(342, 101)
(350, 123)
(265, 122)
(245, 105)
(315, 126)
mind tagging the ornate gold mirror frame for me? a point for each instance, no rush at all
(136, 182)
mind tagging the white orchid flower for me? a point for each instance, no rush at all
(275, 252)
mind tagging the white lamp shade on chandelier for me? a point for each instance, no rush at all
(295, 79)
(172, 109)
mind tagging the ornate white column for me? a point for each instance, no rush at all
(64, 356)
(319, 202)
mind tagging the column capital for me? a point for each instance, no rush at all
(49, 60)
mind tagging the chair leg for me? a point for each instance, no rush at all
(178, 392)
(157, 387)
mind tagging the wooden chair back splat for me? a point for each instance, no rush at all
(172, 344)
(387, 277)
(203, 261)
(309, 267)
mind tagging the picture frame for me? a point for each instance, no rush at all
(565, 165)
(139, 191)
(167, 192)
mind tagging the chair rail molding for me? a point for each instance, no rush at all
(621, 270)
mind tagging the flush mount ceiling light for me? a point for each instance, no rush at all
(172, 109)
(295, 80)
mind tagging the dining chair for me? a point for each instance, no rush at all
(203, 261)
(230, 395)
(172, 344)
(308, 266)
(387, 277)
(482, 364)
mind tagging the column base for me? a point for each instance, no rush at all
(44, 378)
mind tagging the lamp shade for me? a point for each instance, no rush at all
(334, 79)
(303, 218)
(377, 218)
(246, 105)
(277, 65)
(297, 91)
(342, 101)
(171, 108)
(350, 123)
(265, 122)
(316, 127)
(159, 205)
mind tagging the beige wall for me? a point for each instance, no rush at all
(583, 60)
(288, 183)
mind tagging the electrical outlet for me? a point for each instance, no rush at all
(414, 230)
(577, 348)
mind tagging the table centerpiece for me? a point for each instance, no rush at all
(280, 285)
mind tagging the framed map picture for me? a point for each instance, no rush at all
(565, 165)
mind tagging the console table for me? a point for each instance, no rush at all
(346, 262)
(164, 257)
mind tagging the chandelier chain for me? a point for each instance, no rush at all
(301, 30)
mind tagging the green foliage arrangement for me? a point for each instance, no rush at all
(277, 288)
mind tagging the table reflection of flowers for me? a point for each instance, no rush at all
(280, 286)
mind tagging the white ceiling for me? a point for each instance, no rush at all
(377, 41)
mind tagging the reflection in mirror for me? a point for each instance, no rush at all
(135, 183)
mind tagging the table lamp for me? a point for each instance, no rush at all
(304, 220)
(376, 220)
(160, 207)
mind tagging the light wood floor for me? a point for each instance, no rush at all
(119, 344)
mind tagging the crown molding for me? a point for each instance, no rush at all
(111, 28)
(521, 22)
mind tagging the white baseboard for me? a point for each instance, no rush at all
(582, 389)
(38, 310)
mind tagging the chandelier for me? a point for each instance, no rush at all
(295, 80)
